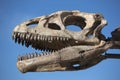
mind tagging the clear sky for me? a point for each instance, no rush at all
(13, 12)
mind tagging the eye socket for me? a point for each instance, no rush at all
(73, 28)
(76, 21)
(53, 26)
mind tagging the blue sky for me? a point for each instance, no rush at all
(13, 12)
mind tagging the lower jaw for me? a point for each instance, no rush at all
(50, 61)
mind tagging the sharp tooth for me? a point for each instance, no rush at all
(23, 36)
(64, 39)
(41, 38)
(39, 54)
(26, 44)
(19, 40)
(61, 38)
(57, 38)
(34, 37)
(51, 38)
(35, 54)
(48, 38)
(42, 54)
(31, 37)
(28, 56)
(22, 42)
(67, 38)
(76, 41)
(38, 37)
(24, 57)
(18, 35)
(31, 56)
(15, 39)
(27, 36)
(45, 38)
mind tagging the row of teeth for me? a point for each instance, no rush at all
(35, 37)
(33, 55)
(29, 38)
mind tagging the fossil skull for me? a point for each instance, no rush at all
(63, 47)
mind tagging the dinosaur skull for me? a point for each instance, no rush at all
(63, 47)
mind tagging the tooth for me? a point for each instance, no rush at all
(28, 56)
(24, 57)
(42, 54)
(22, 42)
(38, 38)
(34, 38)
(48, 38)
(15, 39)
(67, 38)
(46, 53)
(19, 40)
(45, 38)
(35, 54)
(54, 38)
(23, 36)
(31, 55)
(41, 38)
(39, 54)
(76, 41)
(18, 35)
(57, 38)
(26, 44)
(27, 36)
(61, 38)
(51, 38)
(31, 37)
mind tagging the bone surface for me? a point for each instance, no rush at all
(63, 48)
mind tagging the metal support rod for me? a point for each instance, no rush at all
(109, 55)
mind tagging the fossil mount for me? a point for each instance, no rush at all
(64, 49)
